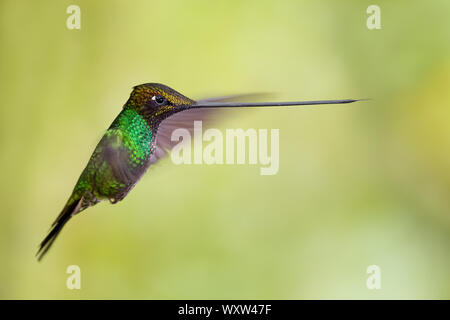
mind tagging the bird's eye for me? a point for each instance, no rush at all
(160, 100)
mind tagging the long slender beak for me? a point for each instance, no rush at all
(202, 104)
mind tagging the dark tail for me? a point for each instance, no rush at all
(56, 228)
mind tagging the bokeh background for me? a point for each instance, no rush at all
(359, 184)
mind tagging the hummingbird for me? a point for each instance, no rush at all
(137, 138)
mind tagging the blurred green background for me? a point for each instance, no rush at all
(359, 184)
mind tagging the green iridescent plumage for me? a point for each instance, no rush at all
(130, 132)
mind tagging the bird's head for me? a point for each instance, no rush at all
(157, 101)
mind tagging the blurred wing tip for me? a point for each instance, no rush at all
(235, 97)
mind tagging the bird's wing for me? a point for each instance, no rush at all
(236, 97)
(116, 156)
(185, 119)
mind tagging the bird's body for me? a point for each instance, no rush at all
(130, 139)
(134, 140)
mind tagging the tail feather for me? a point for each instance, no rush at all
(57, 226)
